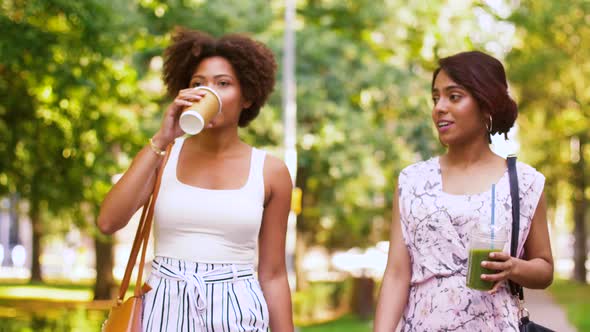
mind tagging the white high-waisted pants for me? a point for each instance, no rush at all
(197, 297)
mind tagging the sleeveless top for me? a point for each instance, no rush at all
(209, 225)
(435, 227)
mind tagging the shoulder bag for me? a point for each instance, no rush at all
(125, 316)
(524, 322)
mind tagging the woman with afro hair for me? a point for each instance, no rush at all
(221, 201)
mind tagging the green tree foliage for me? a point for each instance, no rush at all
(550, 69)
(65, 82)
(79, 101)
(364, 71)
(81, 93)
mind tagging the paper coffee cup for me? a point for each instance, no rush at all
(194, 118)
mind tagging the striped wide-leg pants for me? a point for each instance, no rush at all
(197, 297)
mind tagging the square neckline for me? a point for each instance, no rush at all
(248, 180)
(436, 161)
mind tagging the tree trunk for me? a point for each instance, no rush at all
(35, 216)
(104, 285)
(363, 297)
(300, 248)
(580, 207)
(300, 244)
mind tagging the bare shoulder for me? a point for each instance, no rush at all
(276, 171)
(277, 180)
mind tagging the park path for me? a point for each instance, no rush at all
(543, 310)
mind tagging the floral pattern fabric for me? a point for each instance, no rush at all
(435, 226)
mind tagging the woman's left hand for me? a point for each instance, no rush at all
(501, 262)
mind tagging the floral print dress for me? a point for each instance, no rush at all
(435, 226)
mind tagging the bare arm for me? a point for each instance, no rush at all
(130, 192)
(272, 270)
(136, 185)
(535, 270)
(395, 287)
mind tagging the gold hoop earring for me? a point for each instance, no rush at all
(491, 126)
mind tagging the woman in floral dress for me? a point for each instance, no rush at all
(438, 201)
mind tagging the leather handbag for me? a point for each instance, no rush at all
(524, 323)
(126, 316)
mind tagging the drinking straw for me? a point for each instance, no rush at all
(493, 213)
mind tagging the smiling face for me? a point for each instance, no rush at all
(218, 74)
(456, 113)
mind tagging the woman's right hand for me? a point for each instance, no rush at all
(170, 129)
(136, 185)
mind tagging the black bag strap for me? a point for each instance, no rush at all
(515, 288)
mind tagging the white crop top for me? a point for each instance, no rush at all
(209, 225)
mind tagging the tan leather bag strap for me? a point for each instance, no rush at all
(142, 235)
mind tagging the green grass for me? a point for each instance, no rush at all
(49, 292)
(46, 307)
(347, 323)
(45, 292)
(575, 298)
(53, 307)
